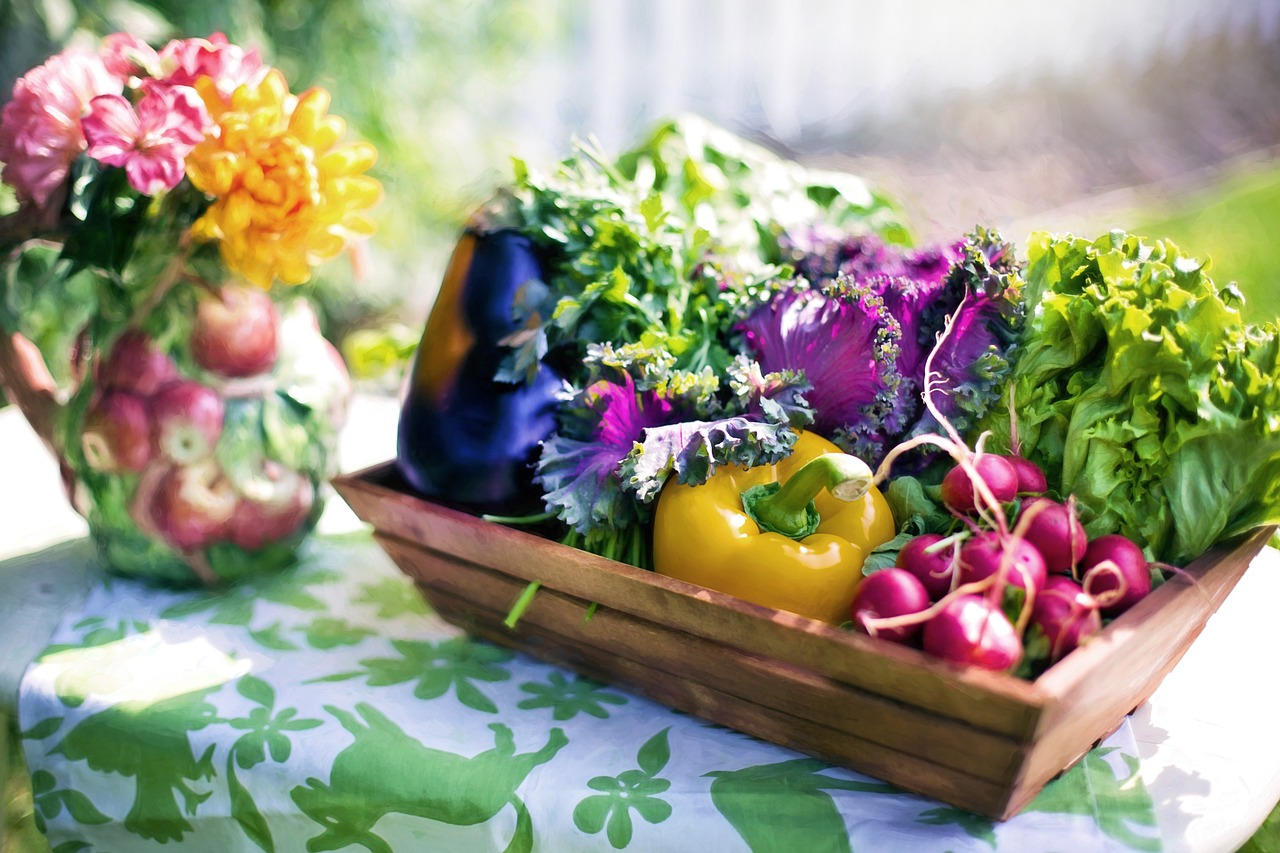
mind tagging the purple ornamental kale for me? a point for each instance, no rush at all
(578, 468)
(846, 343)
(912, 282)
(974, 356)
(644, 421)
(973, 284)
(823, 256)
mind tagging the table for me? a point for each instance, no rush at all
(327, 708)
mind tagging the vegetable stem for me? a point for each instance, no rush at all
(534, 518)
(521, 604)
(788, 508)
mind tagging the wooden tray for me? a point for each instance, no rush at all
(982, 741)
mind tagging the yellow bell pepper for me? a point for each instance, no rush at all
(792, 536)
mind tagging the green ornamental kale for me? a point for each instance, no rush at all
(1140, 390)
(642, 421)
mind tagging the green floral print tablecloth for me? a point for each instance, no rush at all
(329, 709)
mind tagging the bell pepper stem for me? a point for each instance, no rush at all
(788, 508)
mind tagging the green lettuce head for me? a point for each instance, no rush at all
(1140, 390)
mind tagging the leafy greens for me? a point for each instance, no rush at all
(1140, 390)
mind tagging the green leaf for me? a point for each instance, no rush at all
(50, 805)
(299, 725)
(1012, 602)
(798, 799)
(655, 753)
(43, 729)
(73, 846)
(271, 638)
(341, 676)
(1119, 805)
(244, 811)
(256, 690)
(393, 597)
(470, 696)
(654, 212)
(279, 746)
(42, 782)
(80, 808)
(886, 556)
(974, 825)
(1139, 390)
(652, 809)
(619, 829)
(590, 814)
(285, 429)
(329, 632)
(250, 750)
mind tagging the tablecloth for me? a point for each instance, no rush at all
(328, 708)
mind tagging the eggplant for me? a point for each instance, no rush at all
(465, 438)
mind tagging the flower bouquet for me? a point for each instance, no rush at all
(158, 200)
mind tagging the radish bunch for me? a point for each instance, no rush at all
(1019, 572)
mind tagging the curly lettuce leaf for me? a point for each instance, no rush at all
(578, 467)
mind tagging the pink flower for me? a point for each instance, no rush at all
(40, 135)
(128, 56)
(151, 144)
(228, 65)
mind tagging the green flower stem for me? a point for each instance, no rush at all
(788, 508)
(535, 518)
(169, 276)
(521, 604)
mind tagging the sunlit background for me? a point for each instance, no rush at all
(1160, 116)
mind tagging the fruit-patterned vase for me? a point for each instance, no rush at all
(199, 439)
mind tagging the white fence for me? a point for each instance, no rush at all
(804, 69)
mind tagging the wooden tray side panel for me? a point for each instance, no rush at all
(658, 654)
(989, 701)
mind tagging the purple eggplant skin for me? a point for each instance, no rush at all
(463, 437)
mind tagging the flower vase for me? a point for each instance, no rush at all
(197, 440)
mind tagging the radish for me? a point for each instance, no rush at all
(933, 568)
(959, 493)
(1031, 480)
(981, 556)
(971, 630)
(1056, 532)
(884, 595)
(1065, 614)
(1114, 570)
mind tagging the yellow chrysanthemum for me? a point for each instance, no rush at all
(287, 196)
